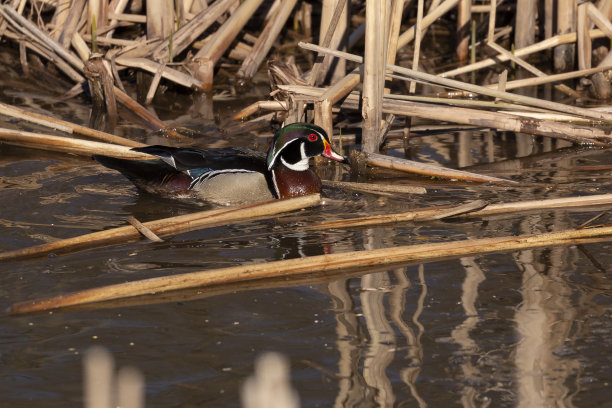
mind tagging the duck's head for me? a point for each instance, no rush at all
(294, 144)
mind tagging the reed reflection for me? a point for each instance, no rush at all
(461, 334)
(544, 322)
(368, 345)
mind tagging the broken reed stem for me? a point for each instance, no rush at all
(165, 227)
(328, 264)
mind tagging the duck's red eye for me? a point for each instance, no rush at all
(312, 137)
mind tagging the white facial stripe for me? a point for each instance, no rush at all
(275, 184)
(299, 166)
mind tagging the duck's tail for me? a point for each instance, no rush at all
(153, 176)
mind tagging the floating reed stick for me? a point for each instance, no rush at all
(328, 264)
(164, 227)
(64, 126)
(67, 144)
(394, 163)
(376, 187)
(427, 214)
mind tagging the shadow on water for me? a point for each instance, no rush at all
(528, 328)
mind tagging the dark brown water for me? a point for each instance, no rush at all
(530, 328)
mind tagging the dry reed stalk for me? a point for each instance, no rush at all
(323, 106)
(160, 19)
(561, 87)
(566, 23)
(374, 62)
(190, 31)
(375, 187)
(480, 118)
(428, 20)
(143, 229)
(64, 126)
(498, 120)
(23, 25)
(315, 73)
(265, 41)
(428, 214)
(426, 169)
(395, 23)
(165, 227)
(37, 35)
(67, 145)
(546, 79)
(72, 21)
(116, 14)
(221, 40)
(417, 44)
(261, 105)
(328, 264)
(521, 52)
(525, 23)
(170, 74)
(598, 18)
(583, 39)
(491, 31)
(154, 84)
(451, 83)
(464, 19)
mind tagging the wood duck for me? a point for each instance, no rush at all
(232, 175)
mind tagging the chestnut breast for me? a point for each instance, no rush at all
(291, 183)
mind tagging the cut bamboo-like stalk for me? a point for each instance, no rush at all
(165, 227)
(329, 264)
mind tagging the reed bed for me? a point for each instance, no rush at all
(184, 43)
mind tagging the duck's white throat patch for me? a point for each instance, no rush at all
(302, 165)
